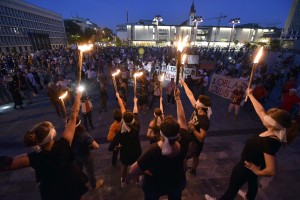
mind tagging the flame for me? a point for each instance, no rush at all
(116, 73)
(80, 88)
(64, 95)
(85, 47)
(183, 58)
(138, 74)
(258, 56)
(162, 77)
(182, 44)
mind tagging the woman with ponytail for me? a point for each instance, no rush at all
(258, 157)
(58, 176)
(153, 132)
(162, 163)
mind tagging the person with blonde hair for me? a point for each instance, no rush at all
(153, 132)
(258, 157)
(57, 174)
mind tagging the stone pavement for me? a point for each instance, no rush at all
(222, 149)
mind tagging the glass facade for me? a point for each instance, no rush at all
(26, 27)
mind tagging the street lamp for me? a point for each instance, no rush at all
(157, 19)
(197, 20)
(233, 21)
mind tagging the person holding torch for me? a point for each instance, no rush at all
(258, 157)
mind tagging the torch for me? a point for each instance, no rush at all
(82, 48)
(183, 62)
(180, 46)
(63, 103)
(255, 62)
(134, 87)
(162, 79)
(114, 79)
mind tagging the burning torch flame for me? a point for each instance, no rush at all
(64, 95)
(183, 58)
(85, 47)
(182, 44)
(138, 74)
(116, 73)
(258, 56)
(162, 77)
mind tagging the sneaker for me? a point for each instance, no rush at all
(207, 197)
(123, 183)
(242, 194)
(99, 184)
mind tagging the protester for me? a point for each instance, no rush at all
(153, 132)
(128, 138)
(82, 145)
(162, 163)
(86, 110)
(58, 176)
(235, 101)
(198, 126)
(258, 157)
(114, 128)
(170, 88)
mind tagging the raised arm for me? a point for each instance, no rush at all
(259, 109)
(121, 104)
(135, 107)
(161, 106)
(180, 111)
(188, 92)
(69, 131)
(18, 162)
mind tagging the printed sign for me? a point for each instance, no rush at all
(171, 72)
(193, 59)
(223, 86)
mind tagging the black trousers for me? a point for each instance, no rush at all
(239, 176)
(87, 117)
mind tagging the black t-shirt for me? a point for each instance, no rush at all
(256, 147)
(167, 172)
(200, 122)
(60, 177)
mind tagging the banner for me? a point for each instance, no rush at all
(171, 72)
(223, 86)
(193, 59)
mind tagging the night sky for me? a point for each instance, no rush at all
(109, 13)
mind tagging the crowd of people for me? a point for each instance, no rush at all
(160, 169)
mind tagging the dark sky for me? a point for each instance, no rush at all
(109, 13)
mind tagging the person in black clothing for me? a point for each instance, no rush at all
(82, 145)
(58, 175)
(258, 157)
(162, 163)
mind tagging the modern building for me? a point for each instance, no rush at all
(290, 34)
(145, 32)
(26, 27)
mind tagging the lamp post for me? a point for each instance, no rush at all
(197, 20)
(82, 48)
(233, 21)
(156, 21)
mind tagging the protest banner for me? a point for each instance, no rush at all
(171, 72)
(192, 59)
(223, 86)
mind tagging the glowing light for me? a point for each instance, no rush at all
(138, 74)
(85, 47)
(80, 88)
(64, 95)
(162, 77)
(182, 44)
(183, 58)
(258, 56)
(116, 73)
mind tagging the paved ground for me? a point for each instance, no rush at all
(222, 149)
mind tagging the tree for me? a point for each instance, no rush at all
(73, 31)
(88, 33)
(118, 42)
